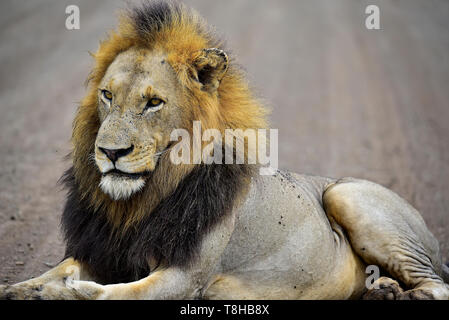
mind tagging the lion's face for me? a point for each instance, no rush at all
(139, 101)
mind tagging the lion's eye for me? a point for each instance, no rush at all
(154, 104)
(107, 95)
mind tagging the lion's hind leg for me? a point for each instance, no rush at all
(385, 230)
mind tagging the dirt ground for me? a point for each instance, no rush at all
(347, 101)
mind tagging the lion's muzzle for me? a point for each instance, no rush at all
(122, 176)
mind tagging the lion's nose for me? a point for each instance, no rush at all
(114, 154)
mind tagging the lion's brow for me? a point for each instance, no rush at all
(149, 91)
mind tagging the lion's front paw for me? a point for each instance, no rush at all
(14, 292)
(35, 290)
(53, 290)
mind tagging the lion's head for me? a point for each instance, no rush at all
(141, 101)
(162, 69)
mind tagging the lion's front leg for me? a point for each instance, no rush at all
(69, 280)
(55, 284)
(170, 283)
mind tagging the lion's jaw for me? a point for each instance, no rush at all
(121, 187)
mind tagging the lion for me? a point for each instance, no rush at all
(137, 226)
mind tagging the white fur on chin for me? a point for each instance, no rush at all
(120, 188)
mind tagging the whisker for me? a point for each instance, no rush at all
(162, 152)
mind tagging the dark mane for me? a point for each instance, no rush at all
(152, 16)
(171, 233)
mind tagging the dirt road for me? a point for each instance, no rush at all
(347, 101)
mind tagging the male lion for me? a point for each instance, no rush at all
(138, 226)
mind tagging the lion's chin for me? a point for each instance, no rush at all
(121, 188)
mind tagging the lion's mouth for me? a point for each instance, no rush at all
(122, 174)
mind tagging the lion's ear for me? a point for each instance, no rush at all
(210, 65)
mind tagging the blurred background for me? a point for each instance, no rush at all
(347, 101)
